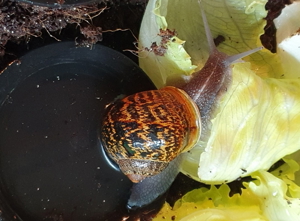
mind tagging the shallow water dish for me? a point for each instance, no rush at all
(52, 165)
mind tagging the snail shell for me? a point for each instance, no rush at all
(149, 129)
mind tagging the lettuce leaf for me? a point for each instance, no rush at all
(277, 191)
(288, 39)
(175, 60)
(250, 130)
(213, 205)
(271, 196)
(256, 125)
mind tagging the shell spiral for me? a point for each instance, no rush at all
(145, 131)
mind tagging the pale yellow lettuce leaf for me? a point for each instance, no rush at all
(272, 193)
(213, 204)
(288, 39)
(174, 59)
(270, 196)
(256, 124)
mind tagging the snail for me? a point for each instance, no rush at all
(146, 132)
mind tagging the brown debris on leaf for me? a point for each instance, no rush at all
(166, 35)
(160, 49)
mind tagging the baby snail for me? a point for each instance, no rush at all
(146, 131)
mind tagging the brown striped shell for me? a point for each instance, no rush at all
(143, 132)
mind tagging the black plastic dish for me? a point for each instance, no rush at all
(52, 166)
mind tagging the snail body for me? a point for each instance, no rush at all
(149, 129)
(146, 131)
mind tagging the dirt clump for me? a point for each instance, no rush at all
(21, 21)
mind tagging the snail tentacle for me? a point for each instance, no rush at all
(209, 37)
(231, 59)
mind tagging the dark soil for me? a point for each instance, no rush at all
(24, 27)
